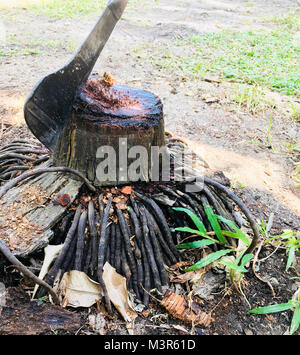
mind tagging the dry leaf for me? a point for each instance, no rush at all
(179, 327)
(178, 307)
(51, 253)
(179, 265)
(126, 190)
(182, 278)
(117, 292)
(79, 289)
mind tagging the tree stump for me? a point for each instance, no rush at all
(107, 121)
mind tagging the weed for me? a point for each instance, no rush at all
(289, 21)
(249, 96)
(290, 240)
(293, 304)
(261, 58)
(208, 239)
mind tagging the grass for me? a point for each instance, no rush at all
(70, 8)
(261, 58)
(289, 21)
(67, 8)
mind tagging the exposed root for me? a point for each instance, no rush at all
(12, 259)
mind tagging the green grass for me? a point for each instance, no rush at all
(268, 59)
(68, 8)
(76, 8)
(289, 21)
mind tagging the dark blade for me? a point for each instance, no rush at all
(49, 105)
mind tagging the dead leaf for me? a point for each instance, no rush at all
(179, 327)
(51, 253)
(179, 265)
(79, 289)
(182, 278)
(117, 292)
(126, 190)
(178, 307)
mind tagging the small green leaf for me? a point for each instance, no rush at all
(273, 309)
(291, 257)
(246, 259)
(214, 223)
(231, 265)
(209, 259)
(196, 244)
(295, 320)
(194, 218)
(238, 233)
(189, 230)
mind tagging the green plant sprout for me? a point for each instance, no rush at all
(238, 269)
(293, 304)
(290, 240)
(200, 230)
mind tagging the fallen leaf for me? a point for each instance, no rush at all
(126, 190)
(182, 278)
(79, 289)
(178, 307)
(51, 253)
(117, 292)
(179, 265)
(179, 327)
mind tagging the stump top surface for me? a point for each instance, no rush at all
(118, 101)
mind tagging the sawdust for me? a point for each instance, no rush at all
(15, 229)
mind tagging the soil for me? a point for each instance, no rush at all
(218, 131)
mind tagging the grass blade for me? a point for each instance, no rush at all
(291, 257)
(295, 320)
(194, 218)
(272, 309)
(246, 259)
(196, 244)
(238, 233)
(213, 220)
(190, 230)
(209, 259)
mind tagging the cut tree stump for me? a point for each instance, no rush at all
(102, 116)
(27, 211)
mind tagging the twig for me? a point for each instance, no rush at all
(263, 279)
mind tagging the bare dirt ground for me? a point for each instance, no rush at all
(220, 131)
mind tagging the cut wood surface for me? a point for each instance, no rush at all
(103, 116)
(27, 211)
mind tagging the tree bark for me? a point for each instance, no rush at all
(126, 117)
